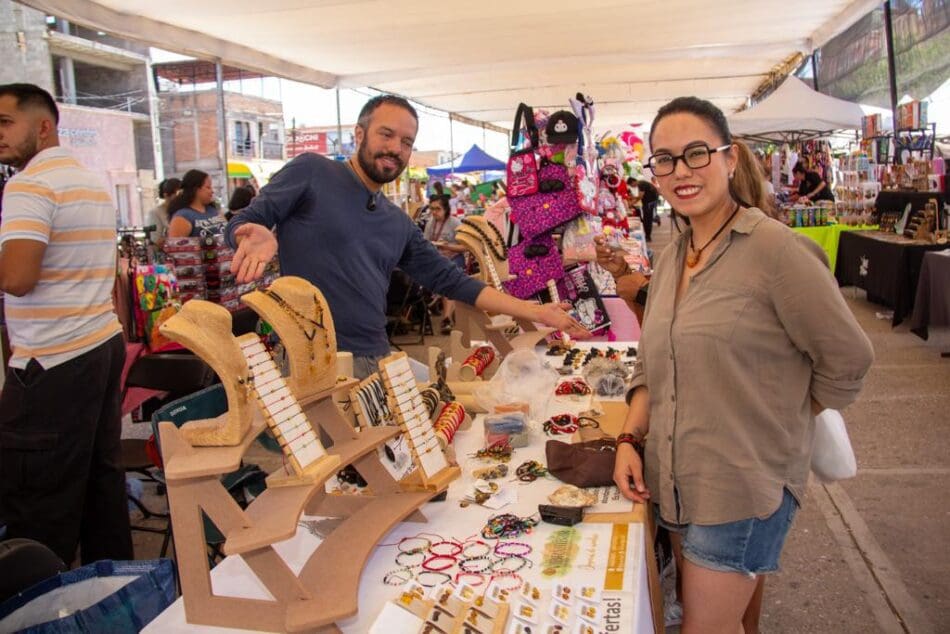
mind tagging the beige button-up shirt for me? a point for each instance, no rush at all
(731, 371)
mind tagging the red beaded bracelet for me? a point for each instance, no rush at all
(426, 565)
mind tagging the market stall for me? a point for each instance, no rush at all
(885, 265)
(828, 237)
(932, 304)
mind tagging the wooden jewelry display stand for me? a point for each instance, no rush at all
(301, 317)
(326, 588)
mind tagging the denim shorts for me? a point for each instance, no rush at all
(750, 547)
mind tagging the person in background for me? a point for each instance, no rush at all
(192, 211)
(337, 230)
(738, 418)
(241, 197)
(440, 231)
(749, 180)
(649, 198)
(158, 215)
(811, 186)
(62, 480)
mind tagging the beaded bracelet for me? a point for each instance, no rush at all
(499, 566)
(391, 578)
(427, 564)
(503, 549)
(443, 576)
(507, 525)
(465, 564)
(421, 549)
(401, 555)
(457, 549)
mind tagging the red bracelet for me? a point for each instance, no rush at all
(426, 564)
(456, 549)
(629, 439)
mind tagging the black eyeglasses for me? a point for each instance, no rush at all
(695, 157)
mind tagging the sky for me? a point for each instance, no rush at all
(308, 105)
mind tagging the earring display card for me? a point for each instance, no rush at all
(412, 415)
(290, 426)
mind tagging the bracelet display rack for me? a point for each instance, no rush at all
(196, 455)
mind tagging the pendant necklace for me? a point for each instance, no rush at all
(692, 259)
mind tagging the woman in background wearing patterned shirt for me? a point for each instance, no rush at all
(745, 337)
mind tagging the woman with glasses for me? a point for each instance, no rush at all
(745, 337)
(440, 231)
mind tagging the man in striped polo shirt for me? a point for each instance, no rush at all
(61, 478)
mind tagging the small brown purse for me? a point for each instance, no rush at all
(583, 464)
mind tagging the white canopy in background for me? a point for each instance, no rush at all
(479, 59)
(794, 112)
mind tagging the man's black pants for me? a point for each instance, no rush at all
(61, 476)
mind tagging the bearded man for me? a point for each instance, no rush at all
(335, 229)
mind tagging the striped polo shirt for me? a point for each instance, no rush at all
(56, 201)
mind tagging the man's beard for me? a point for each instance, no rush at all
(24, 152)
(368, 165)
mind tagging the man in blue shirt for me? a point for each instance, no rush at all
(335, 229)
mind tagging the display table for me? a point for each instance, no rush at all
(932, 304)
(883, 264)
(629, 581)
(827, 238)
(895, 201)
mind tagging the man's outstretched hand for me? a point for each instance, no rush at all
(256, 247)
(555, 316)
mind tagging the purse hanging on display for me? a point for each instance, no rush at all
(542, 197)
(522, 171)
(534, 261)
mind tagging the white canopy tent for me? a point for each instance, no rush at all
(478, 60)
(795, 112)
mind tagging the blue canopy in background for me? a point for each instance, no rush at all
(475, 160)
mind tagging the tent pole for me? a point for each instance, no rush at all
(339, 125)
(484, 144)
(222, 130)
(451, 147)
(814, 72)
(891, 65)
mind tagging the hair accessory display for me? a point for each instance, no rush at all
(500, 452)
(561, 424)
(530, 471)
(508, 525)
(495, 242)
(574, 386)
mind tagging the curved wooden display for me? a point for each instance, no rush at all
(307, 375)
(477, 246)
(205, 329)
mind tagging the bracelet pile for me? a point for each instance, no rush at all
(480, 359)
(560, 424)
(499, 452)
(530, 471)
(576, 386)
(432, 561)
(450, 419)
(508, 525)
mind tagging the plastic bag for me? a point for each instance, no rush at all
(832, 457)
(521, 377)
(107, 596)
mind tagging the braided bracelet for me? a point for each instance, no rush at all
(462, 577)
(426, 565)
(468, 555)
(457, 549)
(507, 575)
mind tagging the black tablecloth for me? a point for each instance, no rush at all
(897, 200)
(932, 306)
(885, 265)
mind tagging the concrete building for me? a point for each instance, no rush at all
(320, 140)
(104, 95)
(192, 137)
